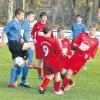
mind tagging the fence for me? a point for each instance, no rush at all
(67, 33)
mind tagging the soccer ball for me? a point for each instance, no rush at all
(18, 61)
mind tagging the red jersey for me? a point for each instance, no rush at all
(66, 48)
(51, 52)
(51, 49)
(37, 30)
(91, 43)
(78, 60)
(66, 45)
(37, 33)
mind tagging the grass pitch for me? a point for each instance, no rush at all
(87, 83)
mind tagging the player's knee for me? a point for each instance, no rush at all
(63, 72)
(69, 73)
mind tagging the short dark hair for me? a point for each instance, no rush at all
(60, 29)
(93, 26)
(47, 28)
(29, 13)
(43, 14)
(78, 16)
(18, 11)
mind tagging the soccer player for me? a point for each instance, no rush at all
(26, 26)
(65, 44)
(26, 35)
(51, 52)
(16, 43)
(78, 27)
(37, 33)
(85, 45)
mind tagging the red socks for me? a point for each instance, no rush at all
(70, 81)
(65, 83)
(45, 83)
(57, 86)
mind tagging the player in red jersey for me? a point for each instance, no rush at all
(65, 44)
(37, 33)
(85, 46)
(51, 52)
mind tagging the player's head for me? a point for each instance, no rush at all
(79, 19)
(30, 16)
(19, 14)
(92, 30)
(43, 16)
(60, 32)
(47, 29)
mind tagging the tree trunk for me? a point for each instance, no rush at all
(10, 9)
(72, 11)
(89, 13)
(95, 7)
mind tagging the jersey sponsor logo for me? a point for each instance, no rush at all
(84, 46)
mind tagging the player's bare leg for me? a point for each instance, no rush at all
(31, 46)
(67, 79)
(40, 69)
(57, 78)
(45, 83)
(63, 73)
(70, 85)
(27, 46)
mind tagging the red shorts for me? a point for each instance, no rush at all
(51, 67)
(75, 63)
(38, 48)
(63, 61)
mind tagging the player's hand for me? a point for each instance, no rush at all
(90, 58)
(86, 56)
(22, 40)
(73, 52)
(64, 52)
(1, 44)
(69, 57)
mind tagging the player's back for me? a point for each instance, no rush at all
(50, 49)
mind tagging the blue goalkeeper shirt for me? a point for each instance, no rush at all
(77, 29)
(13, 30)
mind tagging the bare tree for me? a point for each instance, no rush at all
(61, 12)
(72, 10)
(10, 9)
(95, 7)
